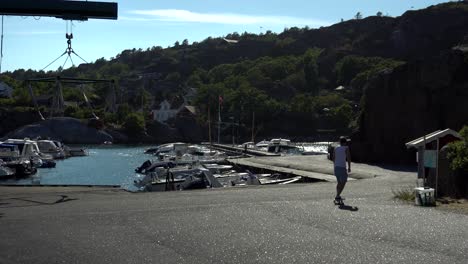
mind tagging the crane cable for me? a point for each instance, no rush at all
(69, 50)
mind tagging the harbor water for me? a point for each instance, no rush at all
(105, 165)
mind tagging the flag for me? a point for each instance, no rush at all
(220, 99)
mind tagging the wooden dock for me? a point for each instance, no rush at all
(237, 150)
(291, 171)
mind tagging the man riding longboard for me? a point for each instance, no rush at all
(341, 155)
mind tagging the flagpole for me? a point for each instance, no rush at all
(209, 124)
(219, 118)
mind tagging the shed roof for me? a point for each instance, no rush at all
(431, 137)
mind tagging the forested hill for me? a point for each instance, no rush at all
(297, 82)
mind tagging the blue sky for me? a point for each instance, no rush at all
(32, 43)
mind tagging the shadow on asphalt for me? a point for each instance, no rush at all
(64, 198)
(348, 208)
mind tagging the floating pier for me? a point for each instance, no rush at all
(238, 150)
(276, 169)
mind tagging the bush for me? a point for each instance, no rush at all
(458, 151)
(71, 111)
(405, 194)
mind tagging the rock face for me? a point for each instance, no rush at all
(68, 130)
(11, 119)
(410, 101)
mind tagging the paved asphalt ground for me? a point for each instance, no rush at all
(295, 223)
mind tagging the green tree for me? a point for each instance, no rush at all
(311, 73)
(342, 116)
(122, 111)
(134, 124)
(173, 77)
(458, 151)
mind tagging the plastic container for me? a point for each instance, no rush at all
(424, 196)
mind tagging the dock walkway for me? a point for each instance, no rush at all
(316, 167)
(291, 171)
(239, 150)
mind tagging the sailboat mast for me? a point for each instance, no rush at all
(219, 119)
(253, 126)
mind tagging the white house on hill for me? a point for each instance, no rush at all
(165, 112)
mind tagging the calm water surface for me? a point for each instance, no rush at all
(105, 165)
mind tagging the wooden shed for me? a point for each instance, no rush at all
(428, 155)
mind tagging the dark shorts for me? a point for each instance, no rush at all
(341, 174)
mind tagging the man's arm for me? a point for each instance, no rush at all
(348, 158)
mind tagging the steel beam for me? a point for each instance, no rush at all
(69, 10)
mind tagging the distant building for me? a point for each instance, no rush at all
(231, 41)
(187, 111)
(165, 112)
(340, 88)
(177, 107)
(5, 90)
(433, 166)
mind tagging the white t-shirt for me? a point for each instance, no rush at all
(340, 156)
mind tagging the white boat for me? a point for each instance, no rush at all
(233, 178)
(217, 168)
(284, 146)
(262, 145)
(248, 145)
(78, 152)
(5, 172)
(12, 162)
(75, 151)
(16, 149)
(183, 154)
(170, 148)
(177, 179)
(278, 179)
(231, 174)
(51, 148)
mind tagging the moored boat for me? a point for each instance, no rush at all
(22, 149)
(75, 151)
(51, 148)
(5, 172)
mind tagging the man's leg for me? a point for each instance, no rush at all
(339, 187)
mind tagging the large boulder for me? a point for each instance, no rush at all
(69, 130)
(13, 118)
